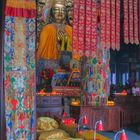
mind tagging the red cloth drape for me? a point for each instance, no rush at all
(18, 12)
(94, 16)
(117, 24)
(75, 27)
(22, 8)
(131, 21)
(85, 28)
(126, 23)
(88, 27)
(81, 27)
(113, 32)
(108, 20)
(131, 26)
(136, 32)
(102, 24)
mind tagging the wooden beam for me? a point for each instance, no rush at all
(2, 98)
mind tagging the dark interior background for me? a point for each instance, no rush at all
(127, 60)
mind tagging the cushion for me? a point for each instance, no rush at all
(65, 139)
(46, 124)
(53, 135)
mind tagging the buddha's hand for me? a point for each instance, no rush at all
(60, 35)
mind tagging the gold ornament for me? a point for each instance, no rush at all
(69, 3)
(58, 2)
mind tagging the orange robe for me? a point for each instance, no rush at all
(48, 42)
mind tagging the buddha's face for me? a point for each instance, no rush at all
(59, 12)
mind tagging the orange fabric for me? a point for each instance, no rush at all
(47, 44)
(21, 4)
(69, 30)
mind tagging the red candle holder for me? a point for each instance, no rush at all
(98, 127)
(123, 135)
(85, 121)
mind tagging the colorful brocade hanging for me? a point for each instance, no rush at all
(85, 28)
(117, 25)
(88, 27)
(110, 24)
(126, 23)
(19, 69)
(94, 23)
(136, 22)
(131, 21)
(113, 32)
(81, 27)
(75, 27)
(102, 23)
(21, 8)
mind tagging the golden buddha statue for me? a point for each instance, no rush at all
(57, 36)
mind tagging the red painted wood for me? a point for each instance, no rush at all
(110, 116)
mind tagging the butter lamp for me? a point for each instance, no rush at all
(123, 135)
(98, 127)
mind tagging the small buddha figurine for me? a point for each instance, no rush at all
(69, 9)
(45, 10)
(57, 36)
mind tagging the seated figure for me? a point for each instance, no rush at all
(57, 36)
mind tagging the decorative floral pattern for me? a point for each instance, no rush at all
(19, 70)
(131, 23)
(85, 28)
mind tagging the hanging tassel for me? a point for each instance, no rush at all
(108, 21)
(102, 24)
(88, 28)
(131, 20)
(94, 24)
(117, 25)
(81, 27)
(75, 28)
(113, 34)
(126, 23)
(136, 31)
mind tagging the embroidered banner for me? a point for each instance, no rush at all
(81, 28)
(85, 28)
(88, 28)
(108, 24)
(117, 25)
(21, 8)
(136, 31)
(19, 75)
(131, 21)
(131, 26)
(102, 24)
(126, 22)
(113, 33)
(94, 23)
(75, 27)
